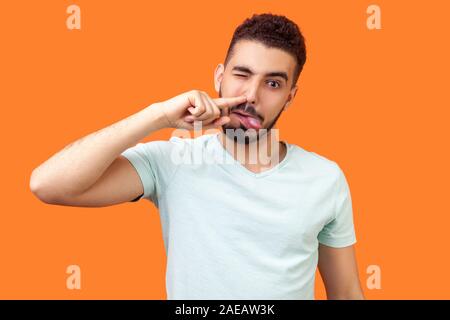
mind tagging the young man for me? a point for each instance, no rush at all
(243, 227)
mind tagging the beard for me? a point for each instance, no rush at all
(245, 135)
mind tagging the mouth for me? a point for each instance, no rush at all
(247, 120)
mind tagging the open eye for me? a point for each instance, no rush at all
(277, 84)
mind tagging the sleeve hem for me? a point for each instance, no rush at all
(338, 243)
(140, 169)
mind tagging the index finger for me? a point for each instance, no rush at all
(229, 102)
(224, 104)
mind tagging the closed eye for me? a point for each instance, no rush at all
(277, 83)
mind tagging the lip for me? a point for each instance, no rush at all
(242, 118)
(243, 113)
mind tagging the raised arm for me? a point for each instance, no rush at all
(92, 172)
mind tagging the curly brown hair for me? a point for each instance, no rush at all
(274, 31)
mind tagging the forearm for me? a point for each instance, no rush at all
(78, 166)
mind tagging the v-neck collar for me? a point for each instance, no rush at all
(231, 162)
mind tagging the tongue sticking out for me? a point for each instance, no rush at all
(248, 121)
(252, 123)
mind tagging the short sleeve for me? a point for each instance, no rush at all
(340, 232)
(152, 163)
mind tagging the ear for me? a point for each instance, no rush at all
(218, 76)
(291, 97)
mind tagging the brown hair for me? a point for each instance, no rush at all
(274, 31)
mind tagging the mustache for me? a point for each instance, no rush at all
(247, 108)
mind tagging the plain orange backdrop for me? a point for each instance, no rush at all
(376, 102)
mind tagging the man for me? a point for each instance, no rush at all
(244, 216)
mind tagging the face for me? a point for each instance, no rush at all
(264, 75)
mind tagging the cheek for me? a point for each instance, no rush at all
(233, 88)
(274, 107)
(270, 115)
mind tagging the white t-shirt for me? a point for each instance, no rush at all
(230, 233)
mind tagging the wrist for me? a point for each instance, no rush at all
(157, 116)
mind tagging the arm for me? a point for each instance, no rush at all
(339, 272)
(91, 171)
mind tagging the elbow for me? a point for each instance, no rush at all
(43, 193)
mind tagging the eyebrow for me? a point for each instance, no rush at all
(269, 74)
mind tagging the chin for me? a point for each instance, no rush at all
(242, 134)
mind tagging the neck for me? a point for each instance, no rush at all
(258, 155)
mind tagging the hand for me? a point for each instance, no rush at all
(181, 111)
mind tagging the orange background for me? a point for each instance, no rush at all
(373, 101)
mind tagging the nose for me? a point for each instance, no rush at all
(251, 92)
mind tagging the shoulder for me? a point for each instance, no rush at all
(202, 140)
(314, 163)
(174, 142)
(171, 148)
(193, 144)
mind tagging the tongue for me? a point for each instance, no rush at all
(251, 122)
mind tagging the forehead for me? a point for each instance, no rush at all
(261, 59)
